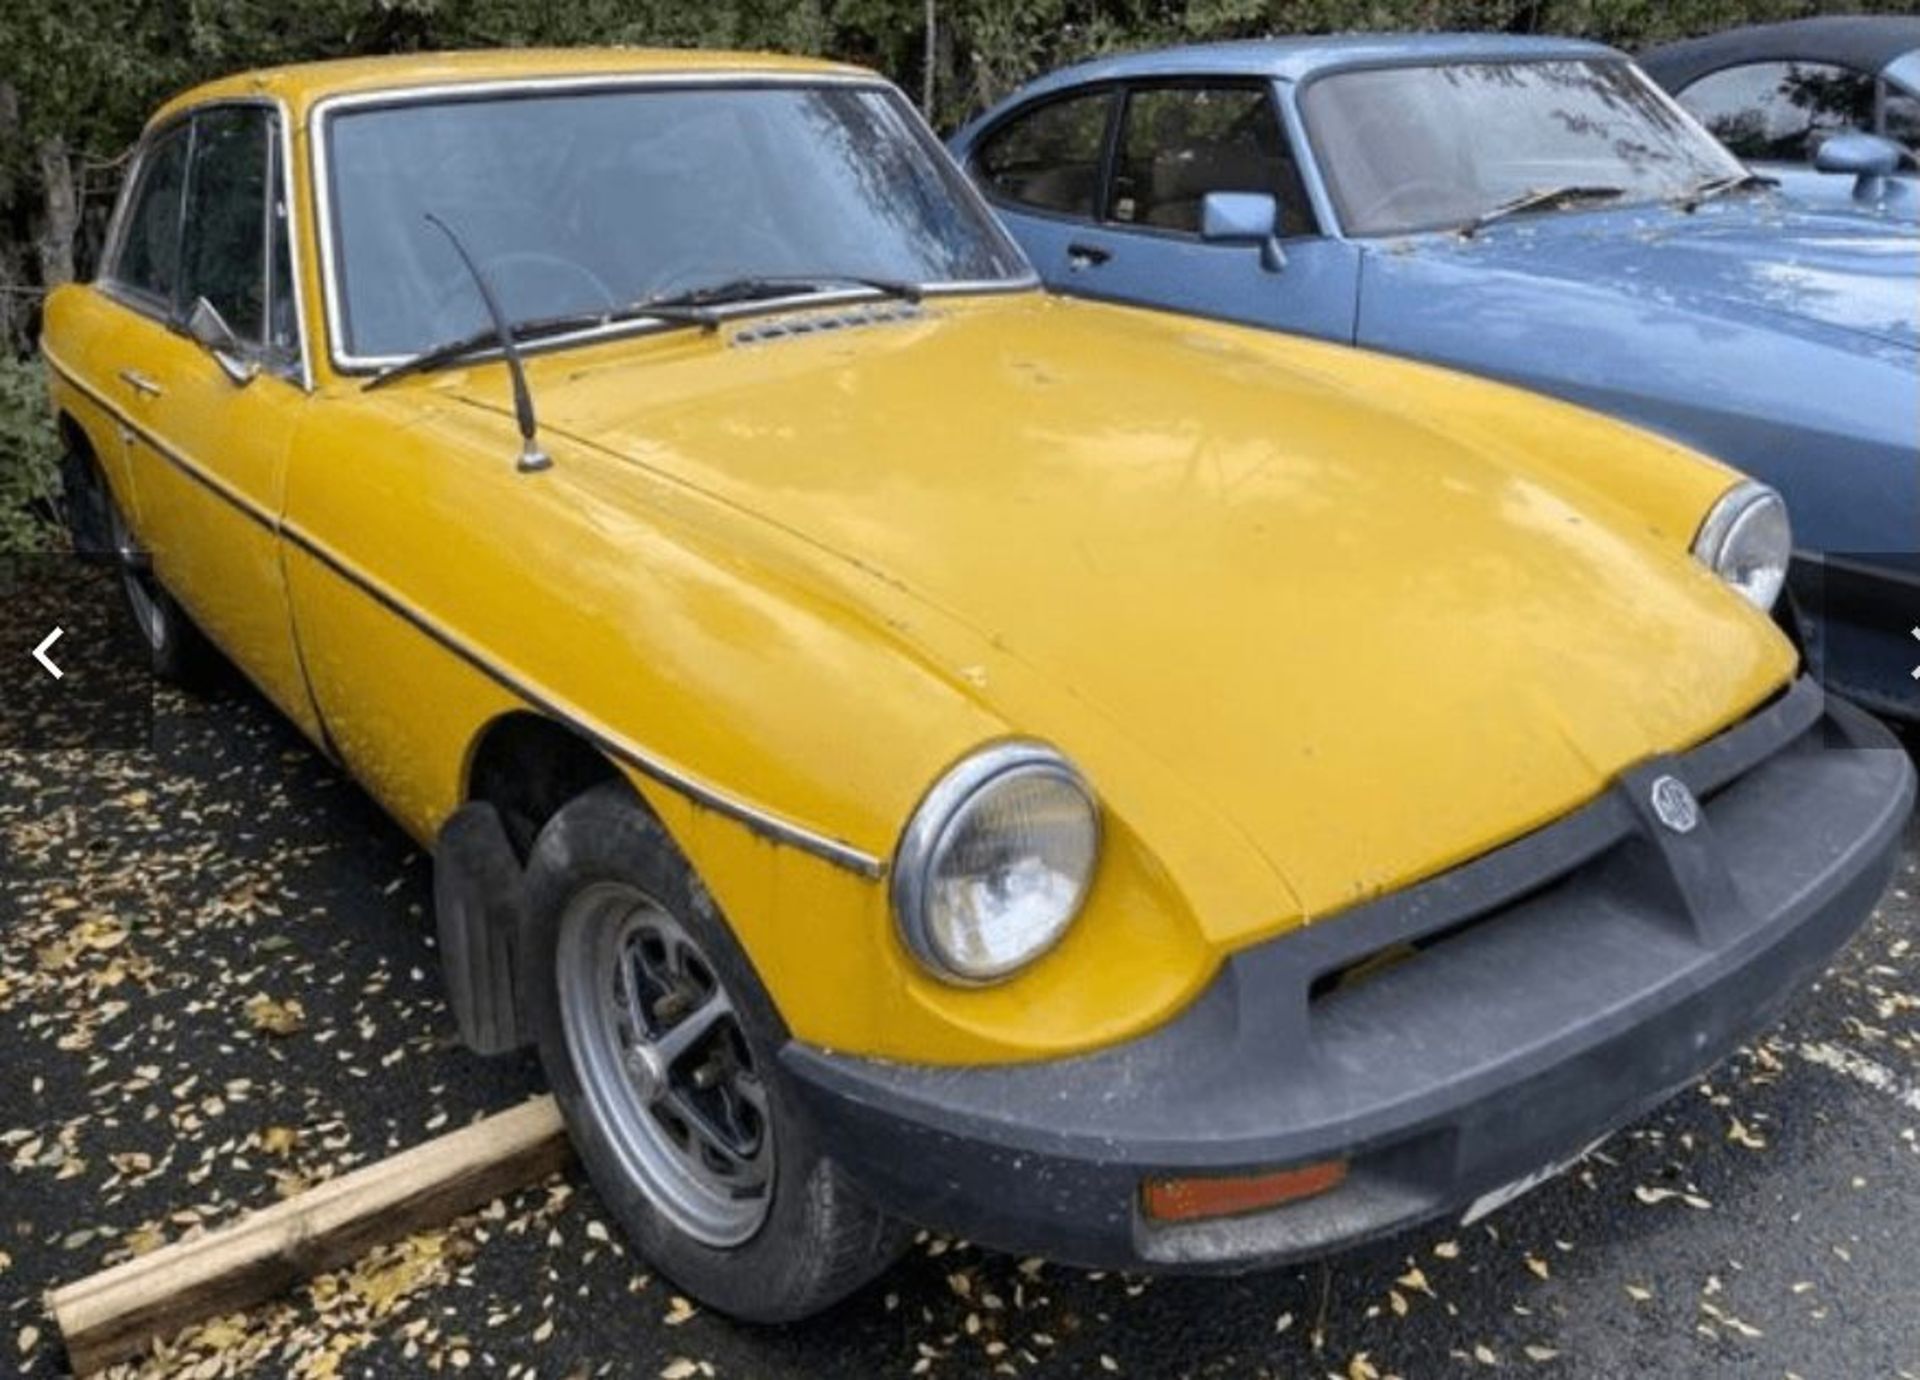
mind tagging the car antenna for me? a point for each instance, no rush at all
(532, 458)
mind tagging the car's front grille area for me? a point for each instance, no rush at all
(791, 325)
(1612, 843)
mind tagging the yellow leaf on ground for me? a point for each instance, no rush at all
(276, 1017)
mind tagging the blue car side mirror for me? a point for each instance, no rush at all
(1244, 218)
(1868, 157)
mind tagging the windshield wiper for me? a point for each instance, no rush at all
(1744, 180)
(539, 328)
(693, 307)
(1542, 199)
(760, 286)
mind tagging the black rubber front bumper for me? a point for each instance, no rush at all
(1558, 987)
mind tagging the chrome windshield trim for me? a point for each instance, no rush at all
(296, 251)
(318, 173)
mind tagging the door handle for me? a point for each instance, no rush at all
(1083, 256)
(140, 383)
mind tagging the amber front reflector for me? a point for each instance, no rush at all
(1189, 1200)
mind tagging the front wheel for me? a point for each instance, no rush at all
(661, 1047)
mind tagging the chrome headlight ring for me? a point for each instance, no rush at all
(1747, 541)
(995, 863)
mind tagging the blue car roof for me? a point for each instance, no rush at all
(1295, 59)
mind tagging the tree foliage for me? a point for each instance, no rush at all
(79, 83)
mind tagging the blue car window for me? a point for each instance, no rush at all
(1179, 143)
(1778, 112)
(1900, 119)
(1048, 159)
(1437, 146)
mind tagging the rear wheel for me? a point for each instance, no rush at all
(662, 1046)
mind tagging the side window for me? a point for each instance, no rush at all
(1900, 118)
(225, 249)
(1049, 159)
(1178, 143)
(1780, 111)
(148, 259)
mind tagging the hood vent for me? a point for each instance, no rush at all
(820, 322)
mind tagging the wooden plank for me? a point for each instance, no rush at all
(114, 1314)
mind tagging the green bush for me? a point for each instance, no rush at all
(29, 456)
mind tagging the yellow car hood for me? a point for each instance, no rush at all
(1330, 592)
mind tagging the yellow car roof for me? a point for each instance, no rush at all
(302, 84)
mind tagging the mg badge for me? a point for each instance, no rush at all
(1674, 804)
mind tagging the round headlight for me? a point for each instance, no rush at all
(995, 863)
(1747, 541)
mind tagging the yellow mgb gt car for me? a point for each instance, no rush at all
(909, 749)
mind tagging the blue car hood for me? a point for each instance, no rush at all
(1764, 262)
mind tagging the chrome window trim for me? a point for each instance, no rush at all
(107, 277)
(144, 303)
(319, 172)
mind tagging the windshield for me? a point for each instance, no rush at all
(1421, 148)
(584, 202)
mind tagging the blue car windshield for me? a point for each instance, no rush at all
(1405, 149)
(585, 201)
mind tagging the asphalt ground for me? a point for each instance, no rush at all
(217, 984)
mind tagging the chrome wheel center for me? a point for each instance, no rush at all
(664, 1064)
(648, 1071)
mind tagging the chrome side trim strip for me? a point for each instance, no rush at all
(212, 483)
(668, 774)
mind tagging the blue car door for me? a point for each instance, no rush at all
(1103, 188)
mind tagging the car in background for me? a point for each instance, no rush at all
(1532, 209)
(1791, 98)
(910, 749)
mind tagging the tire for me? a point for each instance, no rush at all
(84, 507)
(722, 1187)
(177, 650)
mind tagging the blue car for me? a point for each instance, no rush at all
(1536, 210)
(1791, 98)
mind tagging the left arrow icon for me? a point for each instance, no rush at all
(40, 653)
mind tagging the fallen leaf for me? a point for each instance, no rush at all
(276, 1017)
